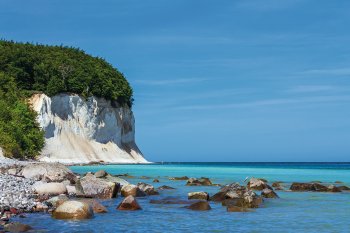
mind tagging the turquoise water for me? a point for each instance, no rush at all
(293, 212)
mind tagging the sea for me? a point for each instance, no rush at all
(292, 212)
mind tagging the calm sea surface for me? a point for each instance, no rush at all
(293, 212)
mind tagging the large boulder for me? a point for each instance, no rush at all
(129, 203)
(257, 184)
(198, 195)
(73, 210)
(199, 182)
(98, 188)
(50, 189)
(147, 188)
(199, 206)
(132, 190)
(48, 172)
(268, 193)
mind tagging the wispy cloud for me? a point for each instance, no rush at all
(166, 82)
(311, 88)
(269, 102)
(335, 71)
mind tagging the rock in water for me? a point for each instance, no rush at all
(147, 188)
(257, 184)
(302, 187)
(100, 174)
(17, 227)
(199, 206)
(73, 210)
(96, 206)
(155, 181)
(268, 193)
(50, 188)
(98, 188)
(198, 195)
(165, 187)
(132, 190)
(232, 208)
(179, 178)
(48, 172)
(199, 182)
(58, 200)
(333, 189)
(129, 203)
(85, 130)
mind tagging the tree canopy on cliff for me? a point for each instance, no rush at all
(20, 134)
(27, 68)
(57, 69)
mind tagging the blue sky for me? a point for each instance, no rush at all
(219, 80)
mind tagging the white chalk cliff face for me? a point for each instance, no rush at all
(82, 131)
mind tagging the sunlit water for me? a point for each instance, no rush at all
(293, 212)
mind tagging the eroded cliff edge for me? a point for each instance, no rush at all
(83, 131)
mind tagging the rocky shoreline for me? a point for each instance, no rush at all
(52, 188)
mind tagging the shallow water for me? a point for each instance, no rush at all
(293, 212)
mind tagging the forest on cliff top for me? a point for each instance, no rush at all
(27, 68)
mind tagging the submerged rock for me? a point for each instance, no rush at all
(129, 203)
(170, 201)
(198, 195)
(165, 187)
(199, 206)
(155, 181)
(17, 227)
(73, 210)
(232, 208)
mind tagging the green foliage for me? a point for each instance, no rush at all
(57, 69)
(20, 134)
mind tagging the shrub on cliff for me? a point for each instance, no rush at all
(56, 69)
(20, 135)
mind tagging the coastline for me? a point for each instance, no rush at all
(149, 195)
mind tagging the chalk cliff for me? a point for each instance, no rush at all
(82, 131)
